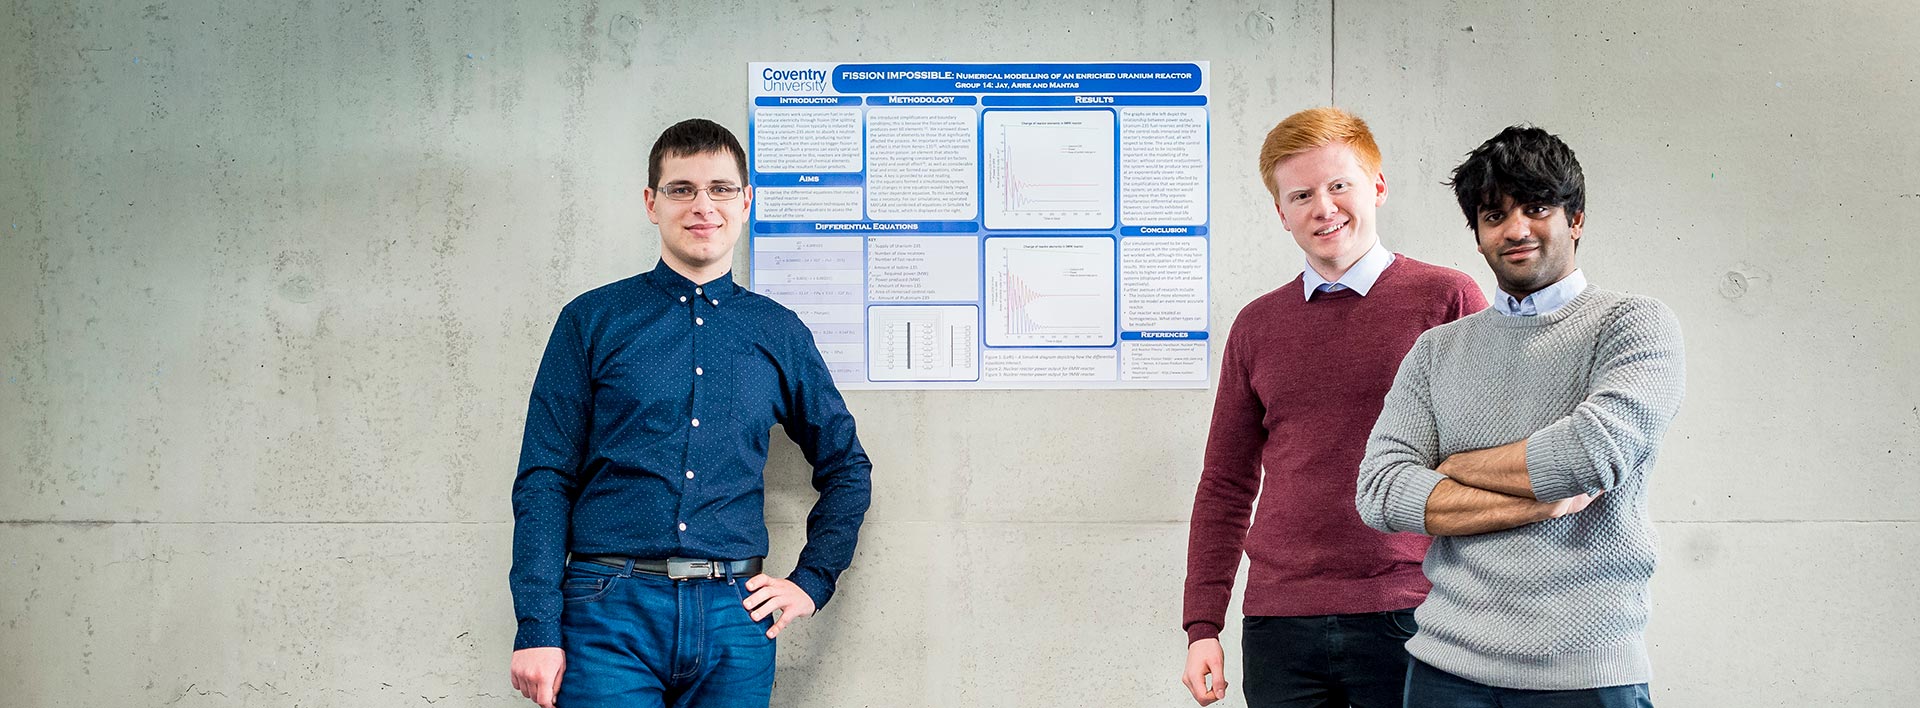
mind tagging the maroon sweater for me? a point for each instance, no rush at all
(1300, 387)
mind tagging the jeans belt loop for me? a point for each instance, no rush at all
(627, 572)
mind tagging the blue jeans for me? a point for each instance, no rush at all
(1328, 661)
(634, 640)
(1428, 687)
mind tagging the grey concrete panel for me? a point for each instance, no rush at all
(887, 637)
(1737, 158)
(895, 428)
(1084, 456)
(940, 614)
(1787, 614)
(254, 615)
(1069, 614)
(273, 278)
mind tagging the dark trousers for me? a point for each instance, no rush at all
(635, 640)
(1428, 687)
(1330, 661)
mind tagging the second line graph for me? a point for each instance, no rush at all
(1049, 292)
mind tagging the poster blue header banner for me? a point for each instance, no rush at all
(1016, 78)
(1093, 101)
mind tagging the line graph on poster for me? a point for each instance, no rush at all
(1049, 292)
(1049, 169)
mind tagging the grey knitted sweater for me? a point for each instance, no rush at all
(1560, 604)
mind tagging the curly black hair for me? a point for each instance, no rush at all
(1524, 164)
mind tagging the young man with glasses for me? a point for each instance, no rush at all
(1520, 439)
(638, 527)
(1328, 601)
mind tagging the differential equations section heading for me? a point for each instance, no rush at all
(992, 226)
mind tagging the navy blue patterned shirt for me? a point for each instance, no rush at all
(647, 437)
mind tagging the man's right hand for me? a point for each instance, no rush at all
(1204, 659)
(1570, 505)
(536, 673)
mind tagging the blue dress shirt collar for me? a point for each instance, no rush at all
(1359, 278)
(1545, 301)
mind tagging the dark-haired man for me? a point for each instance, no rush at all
(1521, 438)
(638, 530)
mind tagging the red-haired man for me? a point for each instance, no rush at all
(1328, 605)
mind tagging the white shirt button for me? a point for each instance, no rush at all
(683, 298)
(699, 321)
(697, 371)
(696, 422)
(698, 291)
(683, 526)
(716, 303)
(689, 474)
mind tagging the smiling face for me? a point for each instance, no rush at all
(1525, 197)
(1529, 246)
(697, 236)
(1326, 199)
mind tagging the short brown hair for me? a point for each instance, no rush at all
(1314, 128)
(694, 136)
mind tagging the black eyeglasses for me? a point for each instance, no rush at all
(686, 192)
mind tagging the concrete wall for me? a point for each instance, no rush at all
(274, 278)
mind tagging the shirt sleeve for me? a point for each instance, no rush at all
(1636, 386)
(1396, 473)
(551, 452)
(818, 422)
(1223, 501)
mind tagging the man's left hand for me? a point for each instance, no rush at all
(772, 594)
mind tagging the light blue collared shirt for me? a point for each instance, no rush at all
(1548, 299)
(1359, 278)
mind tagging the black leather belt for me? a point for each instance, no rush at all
(681, 568)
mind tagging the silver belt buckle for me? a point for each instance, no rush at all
(689, 568)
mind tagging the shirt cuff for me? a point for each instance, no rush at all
(815, 587)
(536, 634)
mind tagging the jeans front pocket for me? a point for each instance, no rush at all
(577, 588)
(740, 591)
(1401, 625)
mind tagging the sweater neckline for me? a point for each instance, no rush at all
(1579, 303)
(1393, 266)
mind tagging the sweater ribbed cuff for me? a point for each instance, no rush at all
(1552, 456)
(1407, 503)
(1202, 630)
